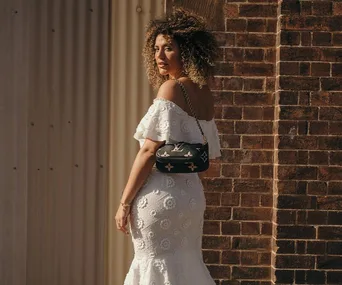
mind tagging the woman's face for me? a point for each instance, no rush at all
(167, 56)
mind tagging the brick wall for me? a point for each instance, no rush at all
(274, 210)
(308, 217)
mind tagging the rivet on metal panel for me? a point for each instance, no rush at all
(14, 11)
(14, 168)
(139, 9)
(32, 124)
(76, 165)
(91, 10)
(69, 122)
(38, 169)
(51, 168)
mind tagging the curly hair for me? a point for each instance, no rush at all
(198, 46)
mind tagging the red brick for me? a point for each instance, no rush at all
(253, 156)
(335, 99)
(266, 200)
(306, 39)
(286, 246)
(334, 218)
(230, 199)
(319, 128)
(224, 68)
(217, 213)
(293, 157)
(304, 68)
(286, 217)
(234, 54)
(245, 243)
(253, 186)
(337, 8)
(232, 113)
(294, 202)
(322, 8)
(249, 258)
(318, 158)
(317, 218)
(218, 184)
(268, 113)
(315, 247)
(223, 98)
(231, 10)
(337, 39)
(253, 99)
(267, 171)
(250, 200)
(289, 38)
(231, 257)
(331, 54)
(242, 272)
(297, 172)
(330, 233)
(306, 8)
(266, 228)
(232, 83)
(256, 25)
(224, 127)
(337, 69)
(300, 23)
(330, 114)
(270, 55)
(225, 39)
(252, 127)
(252, 214)
(328, 203)
(254, 54)
(288, 97)
(290, 7)
(295, 261)
(330, 173)
(336, 158)
(317, 188)
(257, 142)
(255, 40)
(296, 232)
(255, 10)
(254, 69)
(300, 53)
(335, 188)
(298, 142)
(231, 228)
(230, 141)
(256, 84)
(301, 83)
(298, 113)
(219, 271)
(236, 25)
(321, 39)
(213, 198)
(250, 171)
(333, 84)
(330, 143)
(211, 228)
(320, 69)
(250, 228)
(229, 170)
(304, 98)
(289, 68)
(335, 128)
(210, 256)
(271, 25)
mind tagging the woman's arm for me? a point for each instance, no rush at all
(141, 168)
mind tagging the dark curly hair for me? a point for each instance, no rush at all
(198, 46)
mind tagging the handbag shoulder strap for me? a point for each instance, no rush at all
(187, 99)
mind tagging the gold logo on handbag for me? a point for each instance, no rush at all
(183, 157)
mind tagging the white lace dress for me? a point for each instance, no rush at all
(167, 213)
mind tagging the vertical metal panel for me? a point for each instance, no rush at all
(54, 141)
(130, 97)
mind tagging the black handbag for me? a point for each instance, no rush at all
(183, 157)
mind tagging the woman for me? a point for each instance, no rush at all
(166, 210)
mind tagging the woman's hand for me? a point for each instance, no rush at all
(121, 218)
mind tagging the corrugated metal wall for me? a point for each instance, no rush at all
(131, 95)
(66, 108)
(54, 141)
